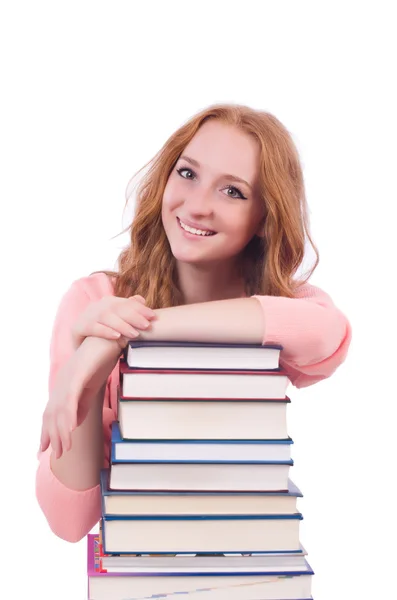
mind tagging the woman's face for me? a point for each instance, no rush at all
(211, 208)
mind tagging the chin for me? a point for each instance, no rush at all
(189, 257)
(199, 259)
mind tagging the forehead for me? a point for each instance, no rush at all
(222, 148)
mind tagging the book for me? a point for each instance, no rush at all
(125, 502)
(196, 355)
(263, 584)
(208, 562)
(194, 476)
(124, 450)
(182, 419)
(197, 500)
(201, 533)
(200, 384)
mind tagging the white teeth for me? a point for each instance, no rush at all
(193, 230)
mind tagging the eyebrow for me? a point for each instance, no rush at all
(226, 176)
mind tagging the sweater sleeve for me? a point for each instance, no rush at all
(314, 333)
(71, 514)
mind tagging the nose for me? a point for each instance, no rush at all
(200, 202)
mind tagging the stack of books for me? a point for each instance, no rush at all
(198, 499)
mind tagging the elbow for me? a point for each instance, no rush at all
(329, 342)
(308, 374)
(70, 514)
(70, 535)
(67, 526)
(328, 349)
(337, 337)
(69, 532)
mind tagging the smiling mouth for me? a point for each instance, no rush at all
(193, 231)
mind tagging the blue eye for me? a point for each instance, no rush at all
(229, 187)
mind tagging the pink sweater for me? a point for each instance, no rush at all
(315, 335)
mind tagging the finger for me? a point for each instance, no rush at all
(141, 307)
(139, 298)
(119, 328)
(45, 430)
(63, 423)
(105, 331)
(126, 326)
(44, 438)
(54, 438)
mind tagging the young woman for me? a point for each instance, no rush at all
(217, 238)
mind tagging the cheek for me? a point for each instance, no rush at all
(241, 229)
(170, 196)
(240, 224)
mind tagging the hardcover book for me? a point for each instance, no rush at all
(199, 562)
(263, 584)
(199, 384)
(194, 355)
(206, 476)
(177, 502)
(179, 450)
(202, 419)
(201, 533)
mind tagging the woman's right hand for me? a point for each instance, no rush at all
(113, 318)
(77, 383)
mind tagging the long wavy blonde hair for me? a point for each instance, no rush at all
(147, 266)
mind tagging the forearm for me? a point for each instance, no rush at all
(79, 468)
(240, 320)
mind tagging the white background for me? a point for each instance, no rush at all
(90, 92)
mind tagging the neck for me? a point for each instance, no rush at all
(200, 283)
